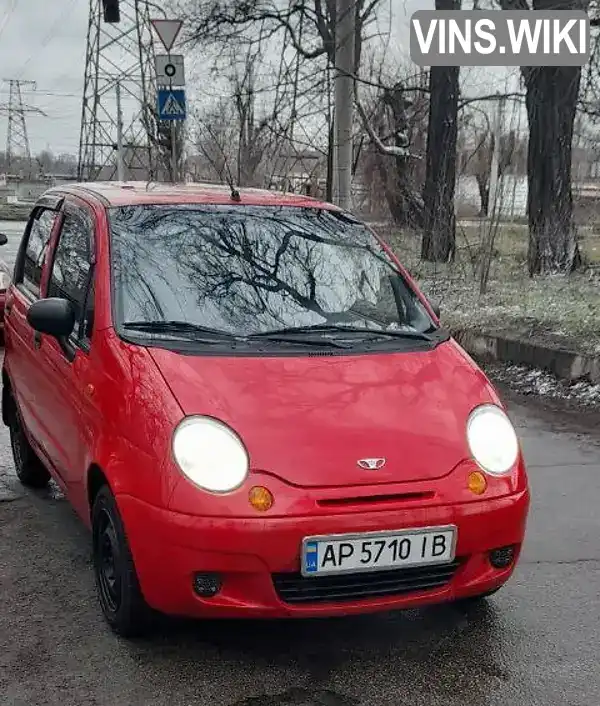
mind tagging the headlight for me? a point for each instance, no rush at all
(210, 454)
(492, 439)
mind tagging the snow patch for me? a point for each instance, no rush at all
(538, 382)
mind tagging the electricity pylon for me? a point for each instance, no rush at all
(119, 62)
(17, 139)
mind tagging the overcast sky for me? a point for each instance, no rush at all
(44, 41)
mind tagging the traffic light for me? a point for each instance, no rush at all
(111, 11)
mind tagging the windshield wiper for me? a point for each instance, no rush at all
(290, 336)
(332, 328)
(204, 334)
(195, 331)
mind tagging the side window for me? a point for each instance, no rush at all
(71, 270)
(35, 252)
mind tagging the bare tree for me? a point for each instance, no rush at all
(222, 23)
(242, 136)
(215, 141)
(257, 137)
(47, 163)
(475, 156)
(307, 29)
(552, 94)
(439, 235)
(396, 128)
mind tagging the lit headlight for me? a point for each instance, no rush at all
(492, 440)
(210, 454)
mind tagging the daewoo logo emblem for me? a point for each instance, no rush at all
(371, 464)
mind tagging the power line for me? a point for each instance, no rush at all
(8, 16)
(46, 93)
(50, 94)
(51, 34)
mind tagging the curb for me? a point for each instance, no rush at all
(564, 364)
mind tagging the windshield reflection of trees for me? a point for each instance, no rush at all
(252, 268)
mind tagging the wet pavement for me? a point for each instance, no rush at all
(13, 231)
(535, 642)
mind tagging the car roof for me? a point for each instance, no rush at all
(134, 193)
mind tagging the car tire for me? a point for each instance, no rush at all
(117, 584)
(30, 470)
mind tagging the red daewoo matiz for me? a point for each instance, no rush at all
(253, 407)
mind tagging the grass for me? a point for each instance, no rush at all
(553, 310)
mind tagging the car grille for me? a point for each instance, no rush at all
(295, 588)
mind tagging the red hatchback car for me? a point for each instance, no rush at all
(253, 407)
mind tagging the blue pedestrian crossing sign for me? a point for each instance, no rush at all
(171, 104)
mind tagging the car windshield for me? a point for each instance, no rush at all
(251, 270)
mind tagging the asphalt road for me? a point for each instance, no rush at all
(13, 230)
(536, 642)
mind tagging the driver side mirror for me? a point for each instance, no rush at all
(54, 317)
(3, 239)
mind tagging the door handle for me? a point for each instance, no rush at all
(37, 339)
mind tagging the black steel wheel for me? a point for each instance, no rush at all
(30, 470)
(117, 584)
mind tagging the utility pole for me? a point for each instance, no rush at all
(120, 159)
(17, 139)
(344, 100)
(118, 53)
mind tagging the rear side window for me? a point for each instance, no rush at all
(37, 245)
(72, 266)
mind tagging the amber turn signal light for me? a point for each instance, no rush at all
(261, 498)
(477, 483)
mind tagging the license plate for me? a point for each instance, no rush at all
(374, 551)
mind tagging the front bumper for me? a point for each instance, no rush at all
(257, 558)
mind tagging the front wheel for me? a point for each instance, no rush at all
(118, 588)
(30, 470)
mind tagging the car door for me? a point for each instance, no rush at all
(21, 353)
(71, 408)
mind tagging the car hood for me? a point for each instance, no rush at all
(310, 419)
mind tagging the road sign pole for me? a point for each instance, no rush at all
(174, 152)
(170, 72)
(173, 140)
